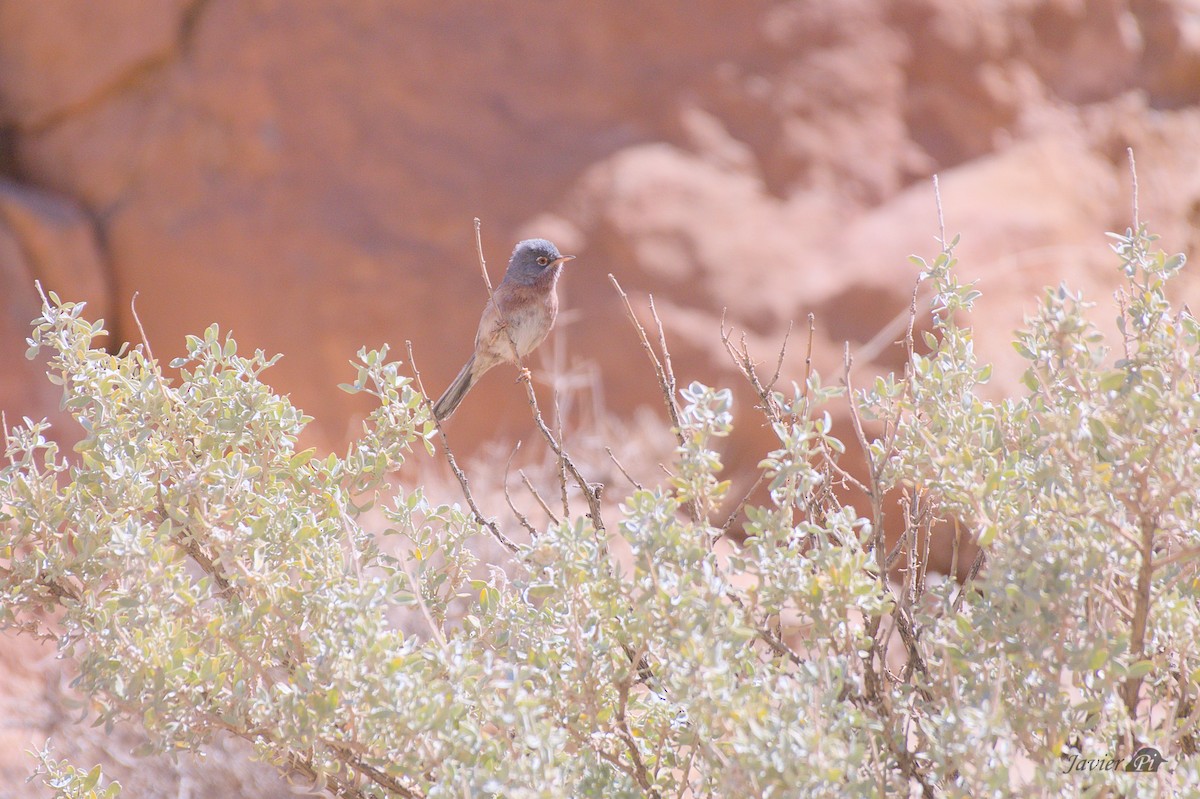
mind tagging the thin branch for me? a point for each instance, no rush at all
(1141, 611)
(1183, 555)
(613, 457)
(1133, 176)
(665, 382)
(737, 511)
(745, 364)
(662, 345)
(488, 524)
(521, 517)
(812, 329)
(635, 755)
(537, 496)
(375, 775)
(434, 629)
(872, 467)
(976, 565)
(664, 372)
(592, 492)
(685, 781)
(782, 353)
(158, 378)
(903, 543)
(764, 634)
(954, 548)
(562, 466)
(842, 474)
(487, 281)
(937, 199)
(304, 765)
(1116, 604)
(336, 785)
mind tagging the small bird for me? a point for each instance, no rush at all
(521, 312)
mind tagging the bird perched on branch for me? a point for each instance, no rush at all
(521, 313)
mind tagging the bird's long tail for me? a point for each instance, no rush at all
(455, 392)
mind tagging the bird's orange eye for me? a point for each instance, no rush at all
(543, 260)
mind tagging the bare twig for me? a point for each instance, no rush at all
(592, 492)
(662, 345)
(812, 329)
(459, 475)
(487, 281)
(434, 630)
(1182, 556)
(1117, 605)
(765, 634)
(976, 565)
(304, 765)
(782, 353)
(149, 350)
(613, 456)
(521, 517)
(745, 364)
(954, 549)
(537, 496)
(1133, 176)
(685, 781)
(664, 372)
(872, 467)
(937, 198)
(737, 511)
(665, 379)
(903, 544)
(562, 465)
(635, 754)
(841, 473)
(339, 787)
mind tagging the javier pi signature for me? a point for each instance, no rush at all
(1145, 760)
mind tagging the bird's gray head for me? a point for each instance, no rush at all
(533, 261)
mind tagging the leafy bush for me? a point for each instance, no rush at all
(209, 579)
(68, 782)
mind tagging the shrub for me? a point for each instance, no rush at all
(209, 579)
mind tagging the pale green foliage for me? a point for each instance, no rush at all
(1084, 489)
(210, 579)
(69, 782)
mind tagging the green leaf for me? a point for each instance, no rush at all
(1113, 381)
(1023, 351)
(301, 458)
(1139, 669)
(91, 779)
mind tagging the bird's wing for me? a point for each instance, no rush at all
(489, 323)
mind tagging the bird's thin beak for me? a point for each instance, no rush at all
(563, 259)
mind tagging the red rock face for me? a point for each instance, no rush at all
(306, 174)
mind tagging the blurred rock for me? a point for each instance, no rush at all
(58, 240)
(61, 57)
(24, 390)
(307, 177)
(47, 238)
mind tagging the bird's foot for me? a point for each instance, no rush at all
(524, 376)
